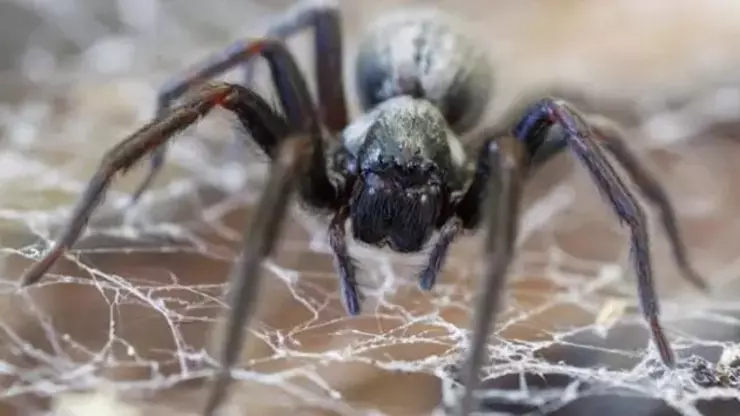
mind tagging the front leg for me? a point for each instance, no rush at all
(579, 140)
(267, 127)
(612, 138)
(502, 163)
(259, 240)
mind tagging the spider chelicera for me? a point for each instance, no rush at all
(398, 173)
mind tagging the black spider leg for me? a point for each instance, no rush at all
(259, 241)
(254, 113)
(612, 139)
(325, 20)
(579, 140)
(496, 190)
(119, 159)
(328, 45)
(298, 161)
(302, 163)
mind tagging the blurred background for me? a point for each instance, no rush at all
(128, 322)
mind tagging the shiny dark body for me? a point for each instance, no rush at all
(398, 173)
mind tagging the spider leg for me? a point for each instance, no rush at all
(501, 167)
(332, 102)
(613, 140)
(294, 143)
(325, 20)
(259, 240)
(119, 159)
(292, 162)
(267, 127)
(579, 139)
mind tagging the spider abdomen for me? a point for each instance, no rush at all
(424, 55)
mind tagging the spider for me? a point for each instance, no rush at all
(399, 173)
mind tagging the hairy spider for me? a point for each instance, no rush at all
(398, 173)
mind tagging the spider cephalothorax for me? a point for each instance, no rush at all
(397, 173)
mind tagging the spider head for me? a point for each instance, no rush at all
(398, 204)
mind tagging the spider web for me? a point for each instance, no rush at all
(129, 321)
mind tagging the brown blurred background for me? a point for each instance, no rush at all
(136, 308)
